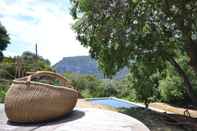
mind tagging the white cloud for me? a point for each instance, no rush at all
(43, 22)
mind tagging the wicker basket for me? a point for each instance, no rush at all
(30, 101)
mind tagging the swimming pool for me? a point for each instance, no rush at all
(113, 102)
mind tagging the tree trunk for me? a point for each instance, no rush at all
(188, 85)
(146, 103)
(191, 48)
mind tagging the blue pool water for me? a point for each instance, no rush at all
(113, 103)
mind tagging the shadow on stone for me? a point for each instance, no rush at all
(74, 115)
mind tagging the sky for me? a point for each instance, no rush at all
(45, 22)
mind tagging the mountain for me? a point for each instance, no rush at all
(84, 65)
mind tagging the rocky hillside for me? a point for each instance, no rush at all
(83, 65)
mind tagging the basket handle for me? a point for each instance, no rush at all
(63, 81)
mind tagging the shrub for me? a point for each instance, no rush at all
(3, 90)
(171, 90)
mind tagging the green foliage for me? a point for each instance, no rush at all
(144, 89)
(2, 95)
(4, 85)
(171, 89)
(140, 85)
(4, 40)
(30, 63)
(145, 81)
(109, 88)
(89, 86)
(117, 32)
(142, 34)
(7, 68)
(126, 90)
(34, 63)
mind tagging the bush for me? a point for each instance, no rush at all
(172, 87)
(89, 86)
(3, 89)
(86, 84)
(7, 68)
(172, 90)
(2, 95)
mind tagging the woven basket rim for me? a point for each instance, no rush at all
(44, 85)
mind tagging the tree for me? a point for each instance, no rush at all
(33, 63)
(172, 86)
(4, 40)
(145, 83)
(125, 32)
(30, 63)
(7, 68)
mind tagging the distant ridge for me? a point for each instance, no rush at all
(84, 65)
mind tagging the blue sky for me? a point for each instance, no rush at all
(45, 22)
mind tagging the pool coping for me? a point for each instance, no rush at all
(115, 98)
(137, 104)
(131, 105)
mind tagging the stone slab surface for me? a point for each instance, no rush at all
(81, 119)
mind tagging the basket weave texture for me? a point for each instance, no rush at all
(30, 101)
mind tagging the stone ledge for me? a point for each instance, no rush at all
(82, 119)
